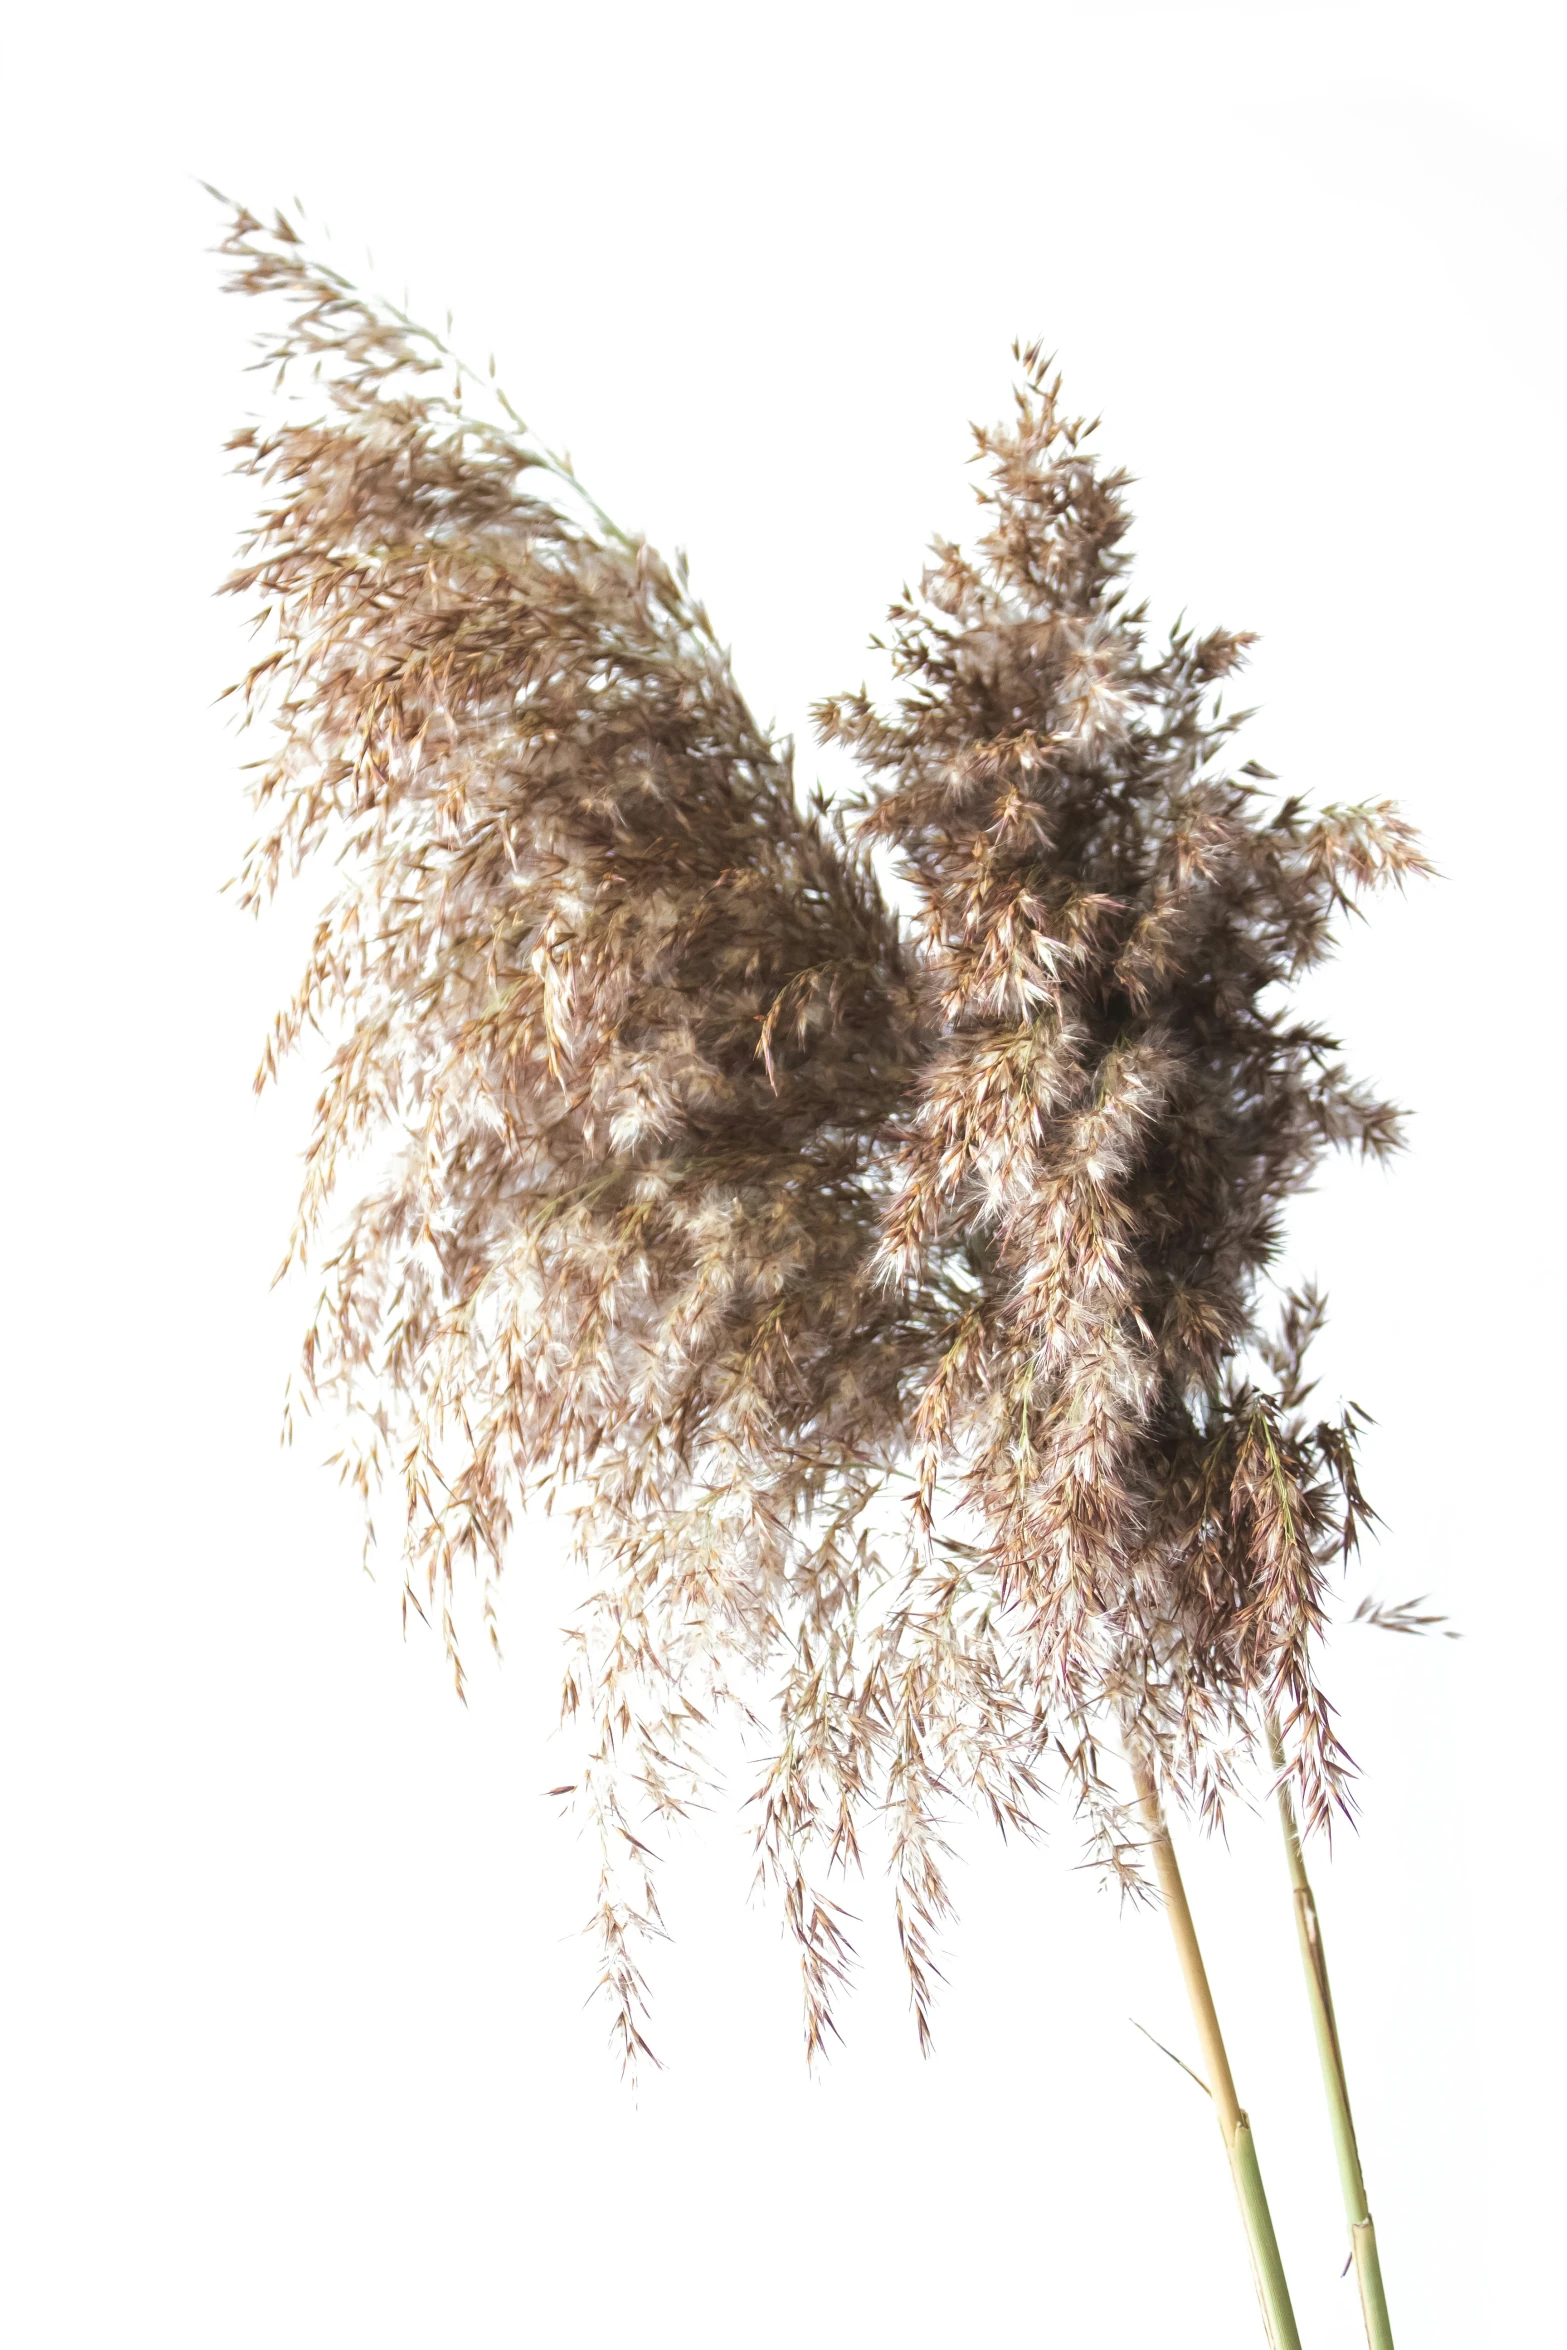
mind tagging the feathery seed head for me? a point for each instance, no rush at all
(878, 1303)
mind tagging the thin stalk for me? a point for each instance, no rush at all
(1234, 2128)
(1362, 2232)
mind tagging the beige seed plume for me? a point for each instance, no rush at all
(885, 1307)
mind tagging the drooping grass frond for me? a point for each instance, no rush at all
(877, 1304)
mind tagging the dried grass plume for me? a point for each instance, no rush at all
(886, 1303)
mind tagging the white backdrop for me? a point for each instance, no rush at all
(295, 2044)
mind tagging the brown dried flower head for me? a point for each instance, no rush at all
(883, 1303)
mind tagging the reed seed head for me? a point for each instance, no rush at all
(886, 1303)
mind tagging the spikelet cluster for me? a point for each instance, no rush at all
(1115, 1103)
(883, 1301)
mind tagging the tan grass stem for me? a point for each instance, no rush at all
(1362, 2231)
(1234, 2128)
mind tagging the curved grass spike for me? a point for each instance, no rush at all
(661, 1169)
(1234, 2127)
(1362, 2228)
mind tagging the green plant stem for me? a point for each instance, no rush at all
(1234, 2128)
(1362, 2232)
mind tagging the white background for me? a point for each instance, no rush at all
(295, 2044)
